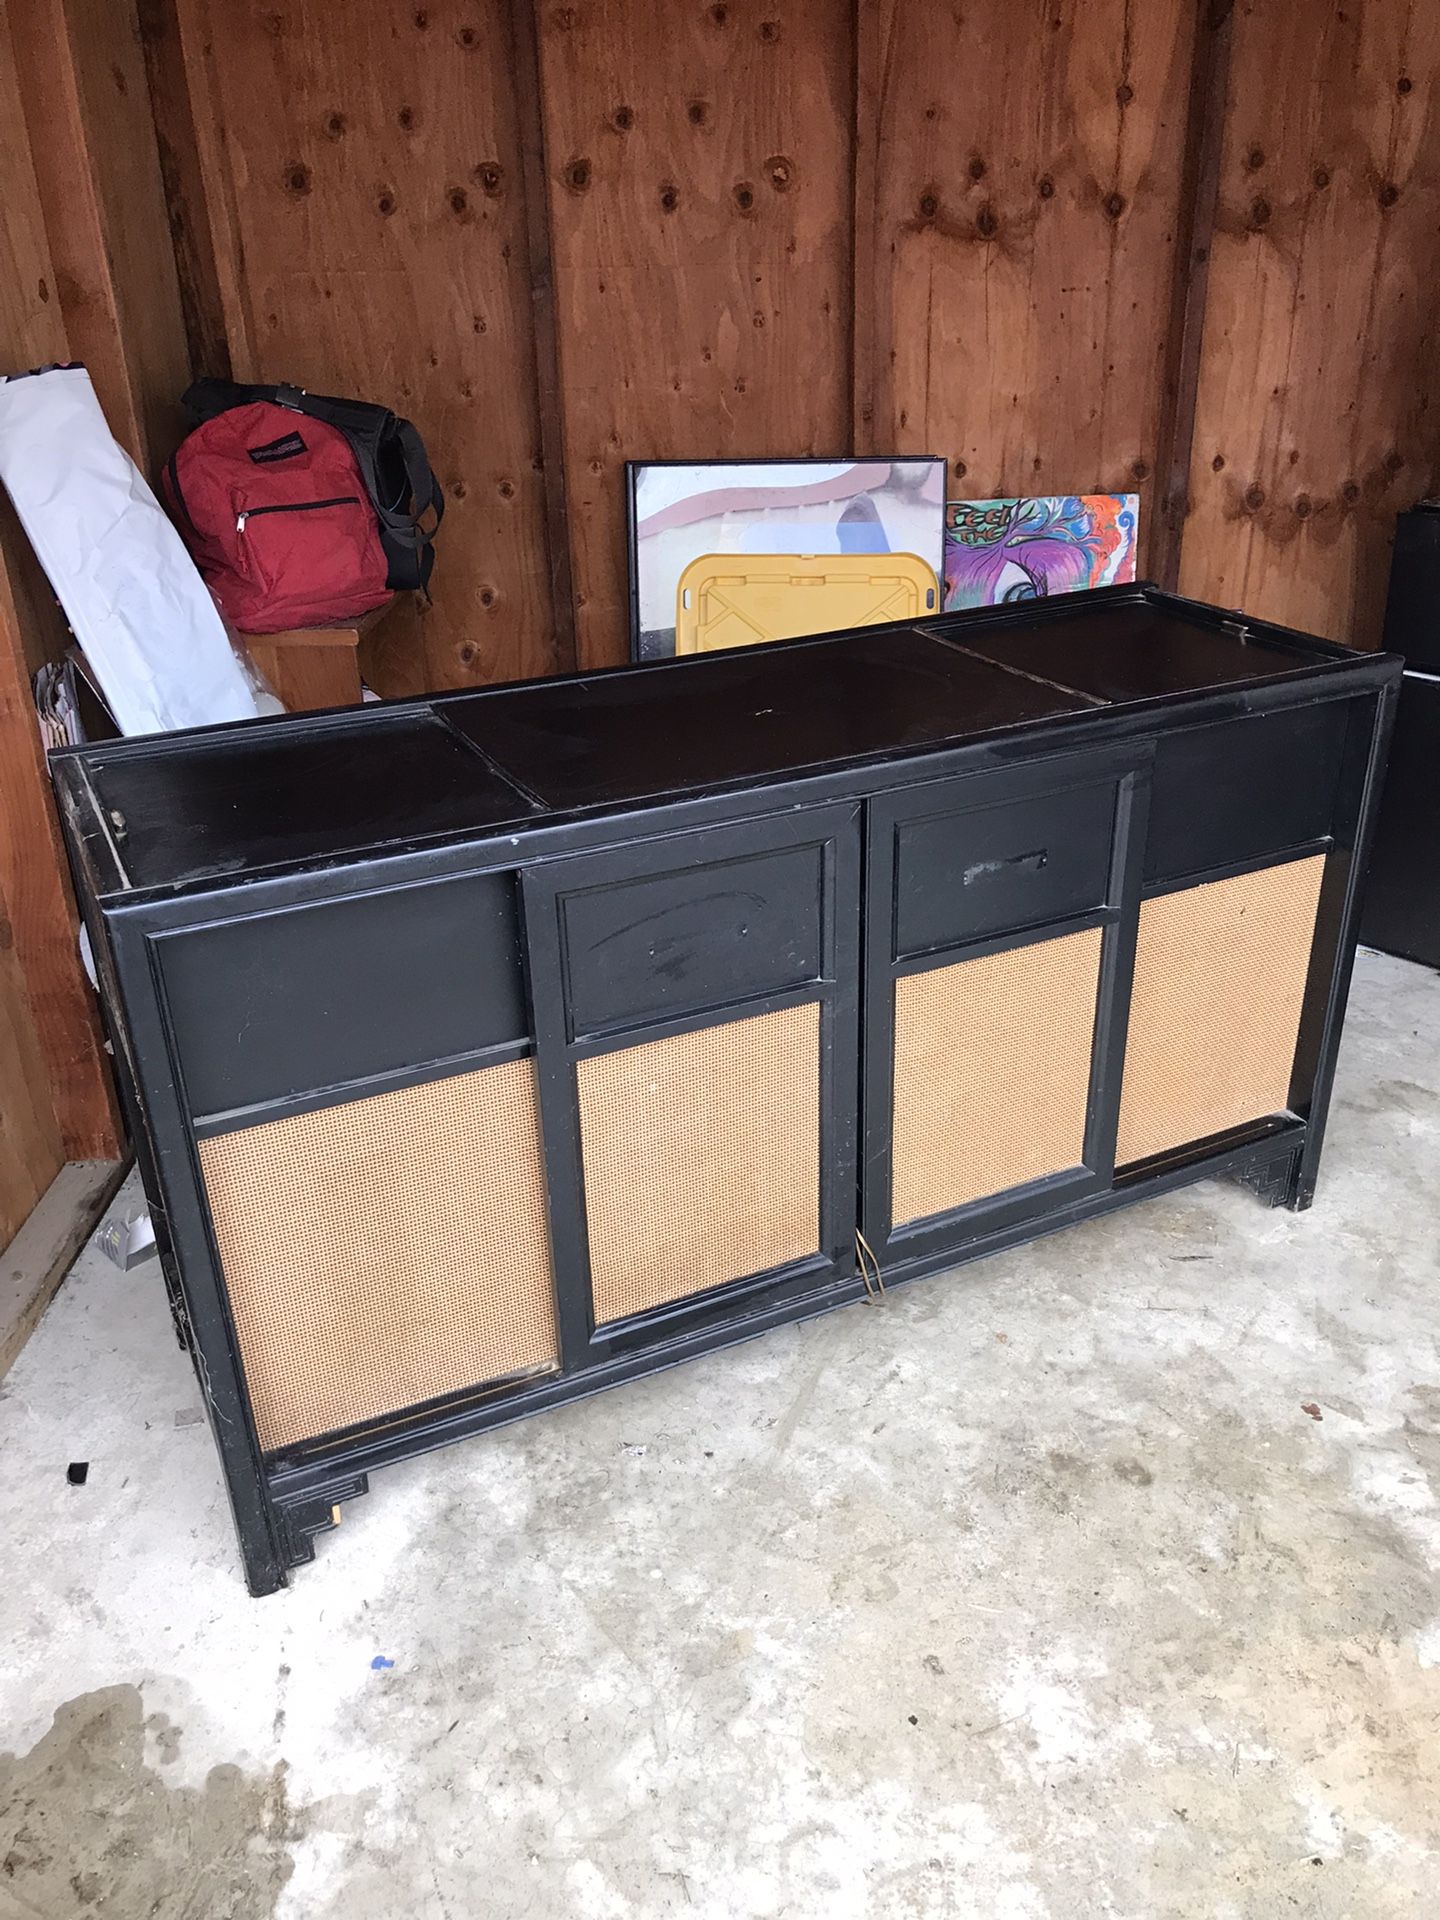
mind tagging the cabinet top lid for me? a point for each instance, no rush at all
(222, 804)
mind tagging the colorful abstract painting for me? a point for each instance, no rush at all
(998, 551)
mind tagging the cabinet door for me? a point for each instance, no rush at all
(1247, 866)
(1000, 934)
(697, 1014)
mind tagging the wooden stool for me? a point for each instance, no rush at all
(310, 667)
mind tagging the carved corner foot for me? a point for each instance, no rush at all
(301, 1521)
(1276, 1182)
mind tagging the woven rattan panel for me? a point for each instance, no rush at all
(702, 1158)
(382, 1252)
(1219, 978)
(992, 1072)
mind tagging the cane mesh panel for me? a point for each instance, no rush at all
(382, 1252)
(702, 1158)
(1219, 980)
(992, 1072)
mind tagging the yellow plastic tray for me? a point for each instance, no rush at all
(741, 599)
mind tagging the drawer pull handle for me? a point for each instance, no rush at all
(982, 869)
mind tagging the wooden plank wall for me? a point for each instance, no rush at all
(567, 235)
(699, 201)
(56, 1101)
(1318, 412)
(1022, 234)
(362, 183)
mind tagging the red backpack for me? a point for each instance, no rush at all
(297, 520)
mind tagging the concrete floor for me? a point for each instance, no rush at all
(1035, 1592)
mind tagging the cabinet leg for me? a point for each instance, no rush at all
(1278, 1182)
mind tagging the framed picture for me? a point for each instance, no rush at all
(708, 542)
(998, 551)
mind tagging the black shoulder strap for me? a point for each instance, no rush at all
(400, 503)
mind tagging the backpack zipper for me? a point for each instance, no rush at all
(295, 506)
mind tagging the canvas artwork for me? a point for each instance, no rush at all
(997, 551)
(730, 553)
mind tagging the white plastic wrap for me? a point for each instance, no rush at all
(137, 605)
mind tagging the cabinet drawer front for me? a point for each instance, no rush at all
(971, 871)
(703, 935)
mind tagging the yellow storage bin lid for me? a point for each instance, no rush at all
(740, 599)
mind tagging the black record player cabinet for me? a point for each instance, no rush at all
(488, 1049)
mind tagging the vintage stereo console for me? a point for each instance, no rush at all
(487, 1049)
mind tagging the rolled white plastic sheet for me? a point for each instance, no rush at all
(138, 607)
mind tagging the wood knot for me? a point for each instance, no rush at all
(1254, 498)
(669, 196)
(577, 175)
(1404, 84)
(960, 469)
(1259, 214)
(1124, 94)
(697, 113)
(743, 196)
(506, 489)
(1389, 194)
(467, 37)
(487, 596)
(623, 118)
(1350, 493)
(770, 32)
(1321, 177)
(976, 169)
(458, 490)
(385, 204)
(1114, 205)
(489, 176)
(335, 126)
(1140, 469)
(1046, 188)
(1217, 465)
(987, 224)
(929, 206)
(1255, 159)
(297, 178)
(1394, 461)
(459, 200)
(779, 172)
(719, 15)
(1304, 506)
(406, 117)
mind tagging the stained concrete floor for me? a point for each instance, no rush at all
(1034, 1594)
